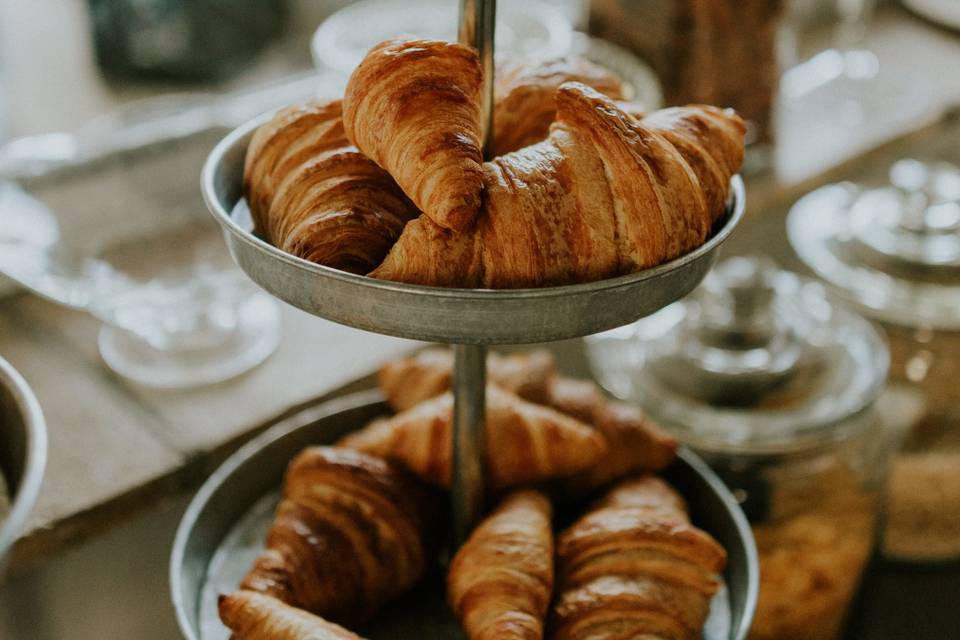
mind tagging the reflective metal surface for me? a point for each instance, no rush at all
(254, 473)
(23, 452)
(478, 316)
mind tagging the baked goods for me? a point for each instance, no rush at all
(255, 616)
(413, 107)
(524, 105)
(606, 193)
(634, 567)
(525, 443)
(355, 529)
(350, 533)
(314, 195)
(813, 548)
(406, 382)
(634, 443)
(500, 581)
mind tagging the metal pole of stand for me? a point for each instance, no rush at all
(478, 19)
(477, 23)
(469, 409)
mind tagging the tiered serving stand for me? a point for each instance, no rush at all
(468, 319)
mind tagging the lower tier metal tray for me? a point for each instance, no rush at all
(224, 527)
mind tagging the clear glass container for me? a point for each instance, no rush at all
(780, 391)
(893, 251)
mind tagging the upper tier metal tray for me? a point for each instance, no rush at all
(225, 525)
(468, 316)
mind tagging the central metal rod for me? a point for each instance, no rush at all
(478, 21)
(477, 24)
(469, 441)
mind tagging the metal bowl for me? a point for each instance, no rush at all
(437, 314)
(23, 452)
(223, 529)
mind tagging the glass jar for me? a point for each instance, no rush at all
(893, 251)
(779, 390)
(722, 53)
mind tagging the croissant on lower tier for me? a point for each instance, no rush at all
(501, 579)
(351, 532)
(634, 442)
(525, 443)
(255, 616)
(634, 567)
(606, 194)
(408, 381)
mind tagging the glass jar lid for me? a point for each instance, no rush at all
(755, 360)
(893, 251)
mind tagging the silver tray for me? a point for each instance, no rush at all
(224, 526)
(436, 314)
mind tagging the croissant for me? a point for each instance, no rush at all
(413, 107)
(255, 616)
(634, 442)
(634, 567)
(350, 533)
(606, 194)
(315, 196)
(525, 443)
(500, 581)
(524, 106)
(406, 382)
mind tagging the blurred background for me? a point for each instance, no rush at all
(153, 357)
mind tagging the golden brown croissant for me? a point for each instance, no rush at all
(634, 443)
(350, 533)
(634, 567)
(524, 105)
(413, 107)
(255, 616)
(500, 581)
(606, 194)
(406, 382)
(525, 443)
(313, 194)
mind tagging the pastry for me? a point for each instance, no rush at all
(406, 382)
(314, 195)
(524, 103)
(350, 533)
(501, 579)
(634, 443)
(413, 107)
(634, 567)
(255, 616)
(605, 195)
(525, 442)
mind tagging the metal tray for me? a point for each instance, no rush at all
(23, 453)
(224, 526)
(437, 314)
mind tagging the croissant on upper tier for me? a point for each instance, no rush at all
(609, 191)
(605, 195)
